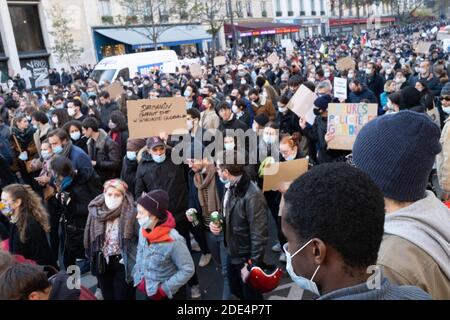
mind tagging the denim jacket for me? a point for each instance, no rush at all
(165, 264)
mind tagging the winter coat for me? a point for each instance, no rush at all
(81, 163)
(40, 135)
(167, 176)
(246, 222)
(375, 84)
(443, 158)
(54, 78)
(128, 173)
(105, 114)
(288, 122)
(415, 248)
(36, 246)
(167, 265)
(107, 155)
(365, 94)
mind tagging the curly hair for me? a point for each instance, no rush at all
(31, 206)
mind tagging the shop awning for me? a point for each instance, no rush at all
(139, 37)
(351, 21)
(247, 29)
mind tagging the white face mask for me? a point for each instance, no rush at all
(302, 282)
(446, 110)
(91, 103)
(229, 146)
(145, 222)
(190, 124)
(113, 203)
(55, 120)
(235, 109)
(71, 112)
(254, 128)
(268, 139)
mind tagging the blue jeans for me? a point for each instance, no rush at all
(219, 254)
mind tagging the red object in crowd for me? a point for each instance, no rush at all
(262, 281)
(447, 204)
(159, 295)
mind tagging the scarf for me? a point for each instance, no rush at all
(161, 233)
(23, 137)
(207, 191)
(99, 215)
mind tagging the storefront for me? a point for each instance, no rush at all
(255, 33)
(308, 27)
(351, 25)
(22, 35)
(111, 41)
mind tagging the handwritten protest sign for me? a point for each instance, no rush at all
(115, 90)
(220, 61)
(196, 70)
(423, 47)
(273, 58)
(285, 172)
(340, 88)
(346, 63)
(302, 102)
(148, 118)
(446, 45)
(169, 67)
(286, 43)
(345, 120)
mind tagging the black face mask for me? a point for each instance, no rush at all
(233, 98)
(317, 112)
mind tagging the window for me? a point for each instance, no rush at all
(249, 8)
(27, 28)
(277, 5)
(2, 51)
(322, 7)
(239, 9)
(263, 9)
(105, 7)
(313, 5)
(290, 10)
(125, 74)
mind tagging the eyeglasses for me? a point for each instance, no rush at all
(446, 98)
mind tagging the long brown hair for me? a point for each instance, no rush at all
(31, 206)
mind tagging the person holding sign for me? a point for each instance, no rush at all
(317, 132)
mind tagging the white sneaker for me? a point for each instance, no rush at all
(205, 259)
(195, 247)
(282, 257)
(98, 294)
(195, 292)
(277, 247)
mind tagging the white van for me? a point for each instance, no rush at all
(126, 66)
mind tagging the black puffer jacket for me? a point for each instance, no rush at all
(166, 176)
(246, 230)
(128, 173)
(107, 155)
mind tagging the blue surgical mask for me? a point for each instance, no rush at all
(290, 158)
(7, 210)
(66, 182)
(131, 155)
(145, 222)
(224, 181)
(46, 155)
(75, 136)
(302, 282)
(58, 149)
(159, 159)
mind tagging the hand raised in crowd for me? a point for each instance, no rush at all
(302, 122)
(42, 180)
(329, 136)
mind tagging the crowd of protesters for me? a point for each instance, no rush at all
(77, 190)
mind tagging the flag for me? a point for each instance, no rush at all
(364, 40)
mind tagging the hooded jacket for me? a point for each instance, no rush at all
(416, 246)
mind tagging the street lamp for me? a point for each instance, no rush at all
(233, 28)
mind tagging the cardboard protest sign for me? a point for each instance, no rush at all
(286, 43)
(346, 63)
(416, 35)
(220, 61)
(302, 101)
(169, 67)
(340, 88)
(285, 172)
(443, 35)
(423, 47)
(372, 35)
(196, 70)
(273, 58)
(115, 90)
(446, 45)
(150, 117)
(345, 120)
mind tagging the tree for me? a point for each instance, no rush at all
(64, 49)
(213, 13)
(150, 18)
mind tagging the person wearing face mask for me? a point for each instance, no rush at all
(119, 130)
(130, 162)
(239, 108)
(110, 240)
(266, 88)
(228, 120)
(40, 123)
(74, 110)
(243, 77)
(74, 129)
(317, 133)
(294, 83)
(229, 85)
(261, 104)
(443, 159)
(163, 262)
(28, 224)
(374, 81)
(105, 154)
(107, 107)
(427, 77)
(389, 87)
(318, 260)
(146, 88)
(209, 118)
(62, 145)
(286, 120)
(244, 227)
(59, 118)
(193, 99)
